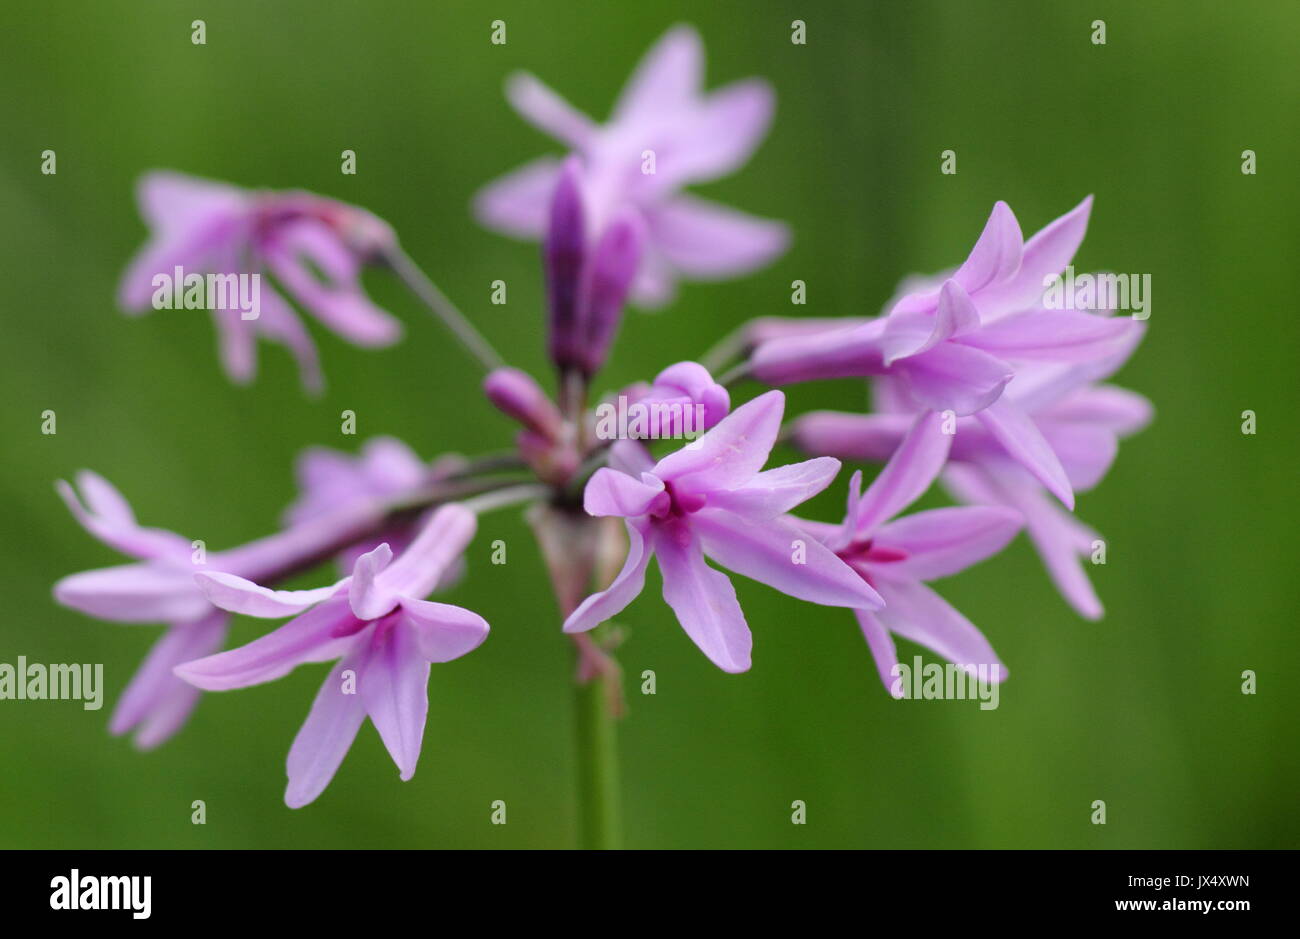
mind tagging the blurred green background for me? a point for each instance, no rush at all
(1142, 710)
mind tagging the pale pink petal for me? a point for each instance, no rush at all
(547, 111)
(776, 491)
(327, 734)
(155, 700)
(915, 612)
(367, 598)
(776, 553)
(1052, 335)
(1025, 443)
(882, 649)
(610, 492)
(1048, 252)
(704, 601)
(906, 476)
(862, 437)
(439, 544)
(237, 595)
(625, 588)
(667, 78)
(395, 692)
(630, 457)
(519, 203)
(109, 519)
(443, 632)
(135, 593)
(1086, 451)
(1118, 410)
(941, 542)
(954, 377)
(705, 240)
(319, 633)
(722, 133)
(731, 453)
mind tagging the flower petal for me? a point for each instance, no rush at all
(623, 590)
(731, 453)
(775, 552)
(1052, 336)
(1026, 445)
(443, 632)
(327, 734)
(708, 241)
(311, 637)
(704, 601)
(954, 377)
(519, 203)
(610, 492)
(135, 593)
(395, 692)
(421, 566)
(882, 649)
(237, 595)
(906, 476)
(547, 111)
(667, 78)
(1046, 253)
(776, 491)
(915, 612)
(941, 542)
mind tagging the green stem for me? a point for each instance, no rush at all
(598, 791)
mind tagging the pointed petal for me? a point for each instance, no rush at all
(941, 542)
(704, 601)
(722, 133)
(708, 241)
(915, 612)
(668, 78)
(776, 491)
(732, 452)
(519, 203)
(954, 377)
(306, 638)
(997, 254)
(882, 649)
(155, 700)
(610, 492)
(395, 692)
(421, 566)
(108, 517)
(1086, 452)
(367, 599)
(443, 632)
(326, 735)
(625, 588)
(775, 552)
(1025, 443)
(135, 593)
(1116, 409)
(237, 595)
(547, 111)
(1052, 336)
(908, 334)
(1046, 253)
(630, 457)
(906, 476)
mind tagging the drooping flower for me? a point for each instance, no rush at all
(381, 630)
(1078, 418)
(330, 482)
(956, 347)
(160, 588)
(710, 499)
(314, 246)
(664, 134)
(897, 557)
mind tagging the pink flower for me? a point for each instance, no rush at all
(1081, 421)
(691, 137)
(313, 246)
(710, 499)
(379, 628)
(897, 557)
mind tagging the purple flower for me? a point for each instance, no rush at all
(1080, 420)
(710, 499)
(379, 628)
(955, 348)
(664, 134)
(314, 247)
(897, 557)
(587, 278)
(330, 482)
(160, 588)
(682, 401)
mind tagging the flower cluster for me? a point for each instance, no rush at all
(975, 383)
